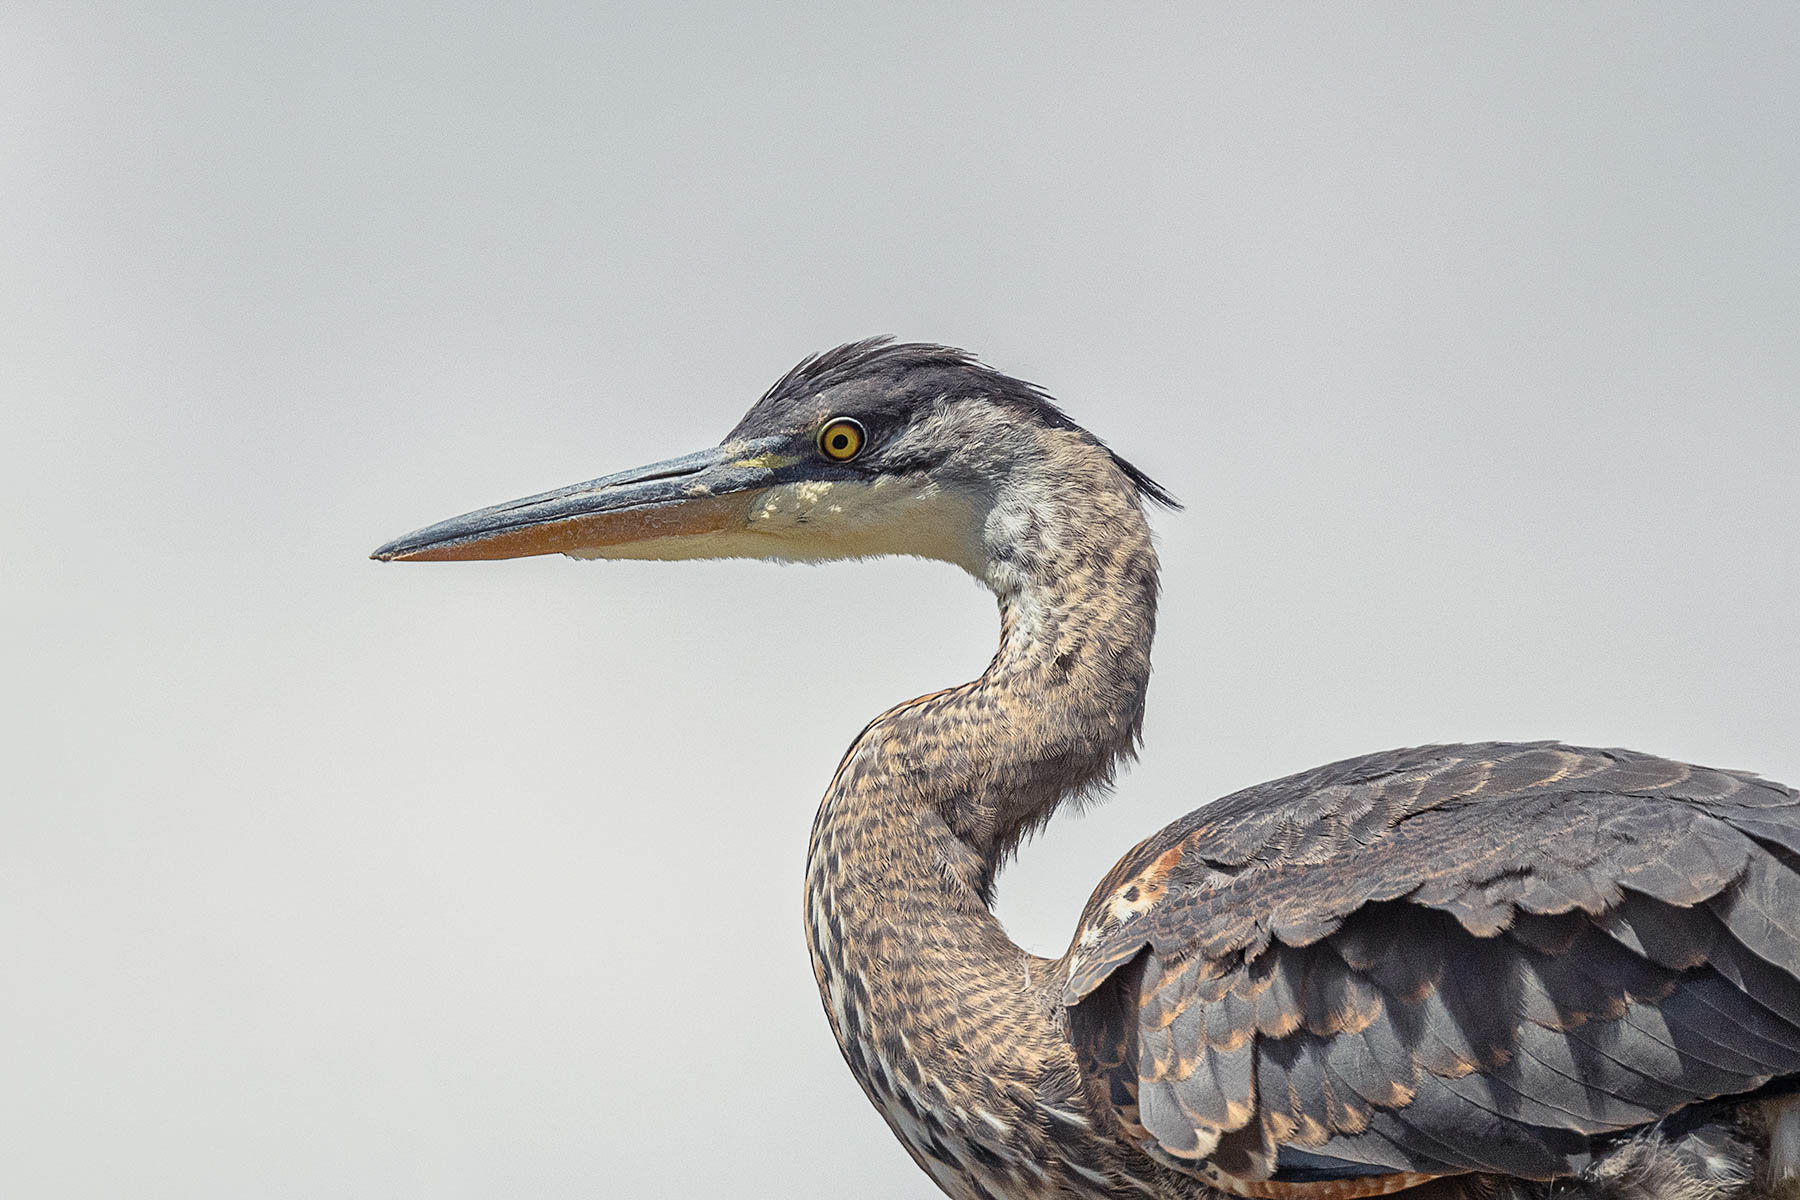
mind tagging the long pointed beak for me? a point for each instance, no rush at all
(709, 492)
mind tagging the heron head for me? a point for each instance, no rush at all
(874, 448)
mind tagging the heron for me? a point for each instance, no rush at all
(1498, 971)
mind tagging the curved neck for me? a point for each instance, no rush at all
(1075, 574)
(1069, 557)
(952, 1030)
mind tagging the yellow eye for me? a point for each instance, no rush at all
(841, 439)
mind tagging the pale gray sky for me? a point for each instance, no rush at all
(1470, 334)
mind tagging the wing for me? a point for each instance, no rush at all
(1439, 961)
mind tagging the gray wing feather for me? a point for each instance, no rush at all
(1450, 959)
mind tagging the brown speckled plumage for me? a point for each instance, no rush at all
(957, 1035)
(1482, 972)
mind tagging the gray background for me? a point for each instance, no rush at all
(1468, 333)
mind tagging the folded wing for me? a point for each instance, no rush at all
(1444, 960)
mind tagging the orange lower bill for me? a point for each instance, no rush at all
(590, 531)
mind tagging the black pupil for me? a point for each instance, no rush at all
(840, 441)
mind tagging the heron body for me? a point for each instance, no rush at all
(1485, 971)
